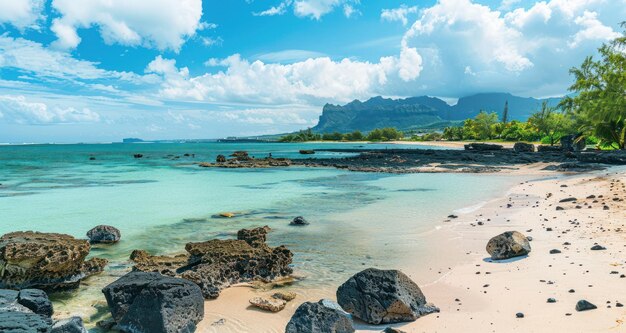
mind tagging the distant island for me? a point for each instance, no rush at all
(422, 112)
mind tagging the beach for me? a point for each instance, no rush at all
(478, 295)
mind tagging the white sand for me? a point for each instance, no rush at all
(513, 286)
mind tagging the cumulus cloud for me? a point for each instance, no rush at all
(21, 14)
(162, 24)
(314, 9)
(398, 14)
(17, 109)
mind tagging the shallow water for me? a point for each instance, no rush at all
(161, 202)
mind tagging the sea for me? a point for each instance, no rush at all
(164, 200)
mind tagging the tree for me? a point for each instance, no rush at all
(600, 87)
(505, 113)
(550, 123)
(355, 136)
(483, 125)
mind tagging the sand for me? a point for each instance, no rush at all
(448, 144)
(491, 293)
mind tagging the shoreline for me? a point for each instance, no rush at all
(492, 293)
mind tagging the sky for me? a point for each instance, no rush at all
(103, 70)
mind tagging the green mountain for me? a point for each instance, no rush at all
(420, 112)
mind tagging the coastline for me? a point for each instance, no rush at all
(489, 293)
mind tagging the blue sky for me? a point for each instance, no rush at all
(101, 70)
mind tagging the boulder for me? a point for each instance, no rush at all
(24, 322)
(268, 304)
(572, 143)
(216, 264)
(584, 305)
(482, 146)
(319, 318)
(36, 300)
(154, 303)
(104, 234)
(45, 261)
(523, 147)
(383, 296)
(299, 220)
(69, 325)
(548, 149)
(508, 245)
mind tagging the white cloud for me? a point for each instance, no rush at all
(162, 24)
(275, 10)
(593, 29)
(288, 56)
(21, 14)
(314, 9)
(17, 109)
(398, 14)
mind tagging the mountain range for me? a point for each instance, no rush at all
(421, 112)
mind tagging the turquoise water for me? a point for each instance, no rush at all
(161, 202)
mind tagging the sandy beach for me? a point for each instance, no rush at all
(446, 144)
(478, 295)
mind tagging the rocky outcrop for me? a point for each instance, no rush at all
(319, 317)
(30, 311)
(508, 245)
(482, 146)
(45, 260)
(523, 147)
(153, 303)
(249, 162)
(383, 296)
(216, 264)
(220, 159)
(573, 142)
(104, 234)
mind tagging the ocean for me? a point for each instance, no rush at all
(164, 200)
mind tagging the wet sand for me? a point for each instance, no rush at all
(489, 293)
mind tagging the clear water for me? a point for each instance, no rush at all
(160, 203)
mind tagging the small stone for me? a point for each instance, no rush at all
(555, 251)
(269, 304)
(285, 296)
(598, 247)
(584, 305)
(551, 300)
(519, 315)
(299, 220)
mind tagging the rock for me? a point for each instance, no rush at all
(241, 155)
(44, 260)
(551, 300)
(508, 245)
(216, 264)
(299, 220)
(104, 234)
(572, 143)
(307, 151)
(227, 214)
(255, 237)
(568, 199)
(70, 325)
(24, 322)
(138, 155)
(286, 296)
(35, 300)
(392, 330)
(220, 159)
(522, 147)
(269, 304)
(319, 318)
(151, 302)
(519, 315)
(482, 146)
(383, 296)
(598, 247)
(548, 149)
(555, 251)
(584, 305)
(559, 208)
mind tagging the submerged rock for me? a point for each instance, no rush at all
(269, 304)
(104, 234)
(383, 296)
(319, 317)
(508, 245)
(45, 260)
(70, 325)
(299, 220)
(216, 264)
(154, 303)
